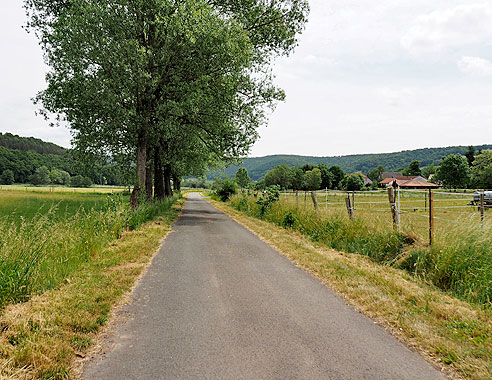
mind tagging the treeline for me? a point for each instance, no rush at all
(283, 177)
(258, 166)
(167, 88)
(11, 141)
(28, 166)
(473, 170)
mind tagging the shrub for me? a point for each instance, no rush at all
(80, 181)
(7, 177)
(224, 188)
(268, 197)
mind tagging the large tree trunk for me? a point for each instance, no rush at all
(176, 183)
(139, 188)
(167, 181)
(148, 183)
(159, 192)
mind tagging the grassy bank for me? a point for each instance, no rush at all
(42, 337)
(459, 261)
(455, 334)
(44, 238)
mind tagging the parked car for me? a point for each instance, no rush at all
(487, 198)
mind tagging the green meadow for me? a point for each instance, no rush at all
(46, 236)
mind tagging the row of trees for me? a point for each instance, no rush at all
(307, 177)
(22, 165)
(455, 171)
(44, 176)
(167, 88)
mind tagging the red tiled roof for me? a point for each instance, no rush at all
(416, 183)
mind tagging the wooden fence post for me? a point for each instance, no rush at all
(394, 211)
(349, 205)
(326, 198)
(431, 216)
(314, 197)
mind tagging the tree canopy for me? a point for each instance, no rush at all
(172, 86)
(454, 171)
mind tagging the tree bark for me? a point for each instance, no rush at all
(148, 183)
(168, 191)
(176, 183)
(159, 192)
(139, 188)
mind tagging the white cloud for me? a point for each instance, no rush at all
(475, 66)
(396, 96)
(453, 28)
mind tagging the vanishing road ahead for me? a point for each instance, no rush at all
(218, 303)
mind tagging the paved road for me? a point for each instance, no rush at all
(218, 303)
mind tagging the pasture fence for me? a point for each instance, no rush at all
(404, 207)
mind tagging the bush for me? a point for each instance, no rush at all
(224, 188)
(41, 176)
(80, 181)
(268, 197)
(353, 182)
(7, 177)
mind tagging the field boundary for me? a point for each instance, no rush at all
(441, 328)
(53, 334)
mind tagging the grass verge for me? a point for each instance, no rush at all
(452, 333)
(459, 260)
(41, 338)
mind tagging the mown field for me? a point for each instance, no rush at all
(46, 236)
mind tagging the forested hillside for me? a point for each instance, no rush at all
(24, 155)
(11, 141)
(258, 166)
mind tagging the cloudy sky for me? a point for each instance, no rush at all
(367, 77)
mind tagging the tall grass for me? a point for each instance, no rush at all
(40, 252)
(460, 260)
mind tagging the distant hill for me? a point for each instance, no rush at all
(11, 141)
(23, 155)
(258, 166)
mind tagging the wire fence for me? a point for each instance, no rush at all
(405, 208)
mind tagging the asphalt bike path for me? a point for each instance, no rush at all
(219, 303)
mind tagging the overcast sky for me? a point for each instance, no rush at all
(368, 76)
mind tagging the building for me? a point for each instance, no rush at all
(385, 175)
(408, 182)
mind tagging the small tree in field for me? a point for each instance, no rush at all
(41, 176)
(454, 172)
(375, 174)
(482, 170)
(242, 178)
(353, 182)
(312, 181)
(338, 175)
(414, 168)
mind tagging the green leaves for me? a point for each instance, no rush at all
(190, 76)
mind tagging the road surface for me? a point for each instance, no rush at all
(218, 303)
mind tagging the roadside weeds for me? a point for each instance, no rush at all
(43, 337)
(454, 335)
